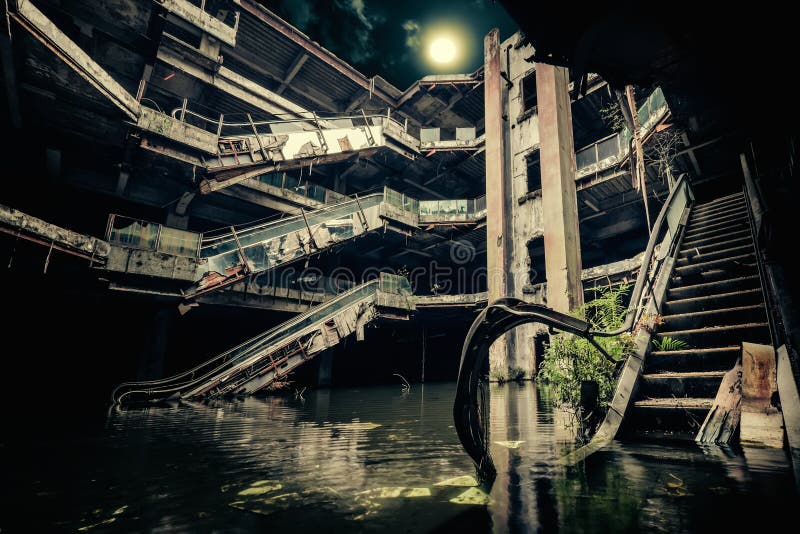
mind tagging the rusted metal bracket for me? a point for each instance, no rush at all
(258, 137)
(367, 130)
(311, 241)
(361, 215)
(320, 134)
(242, 257)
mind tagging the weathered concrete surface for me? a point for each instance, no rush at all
(393, 213)
(559, 198)
(393, 301)
(23, 222)
(526, 219)
(202, 20)
(453, 144)
(164, 125)
(33, 20)
(790, 399)
(496, 190)
(465, 300)
(762, 423)
(156, 264)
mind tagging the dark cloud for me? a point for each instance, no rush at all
(384, 37)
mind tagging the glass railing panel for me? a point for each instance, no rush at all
(585, 157)
(133, 233)
(608, 148)
(179, 242)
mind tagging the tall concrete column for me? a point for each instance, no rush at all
(325, 370)
(562, 244)
(152, 358)
(496, 256)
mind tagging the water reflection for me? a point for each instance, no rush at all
(368, 459)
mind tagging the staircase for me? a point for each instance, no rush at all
(713, 303)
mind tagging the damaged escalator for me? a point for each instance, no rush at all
(271, 355)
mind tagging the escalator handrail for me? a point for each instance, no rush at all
(210, 241)
(252, 341)
(633, 306)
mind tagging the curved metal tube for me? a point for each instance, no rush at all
(497, 319)
(505, 314)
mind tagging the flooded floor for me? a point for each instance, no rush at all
(370, 459)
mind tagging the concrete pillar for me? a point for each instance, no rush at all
(496, 256)
(562, 245)
(325, 371)
(154, 351)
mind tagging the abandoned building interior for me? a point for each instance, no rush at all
(202, 201)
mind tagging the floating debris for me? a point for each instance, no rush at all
(267, 506)
(395, 492)
(473, 496)
(462, 481)
(510, 444)
(261, 487)
(108, 521)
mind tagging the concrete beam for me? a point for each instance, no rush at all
(692, 157)
(292, 71)
(202, 20)
(423, 188)
(22, 222)
(159, 123)
(356, 100)
(559, 198)
(238, 86)
(38, 25)
(251, 61)
(260, 199)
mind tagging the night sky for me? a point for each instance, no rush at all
(388, 37)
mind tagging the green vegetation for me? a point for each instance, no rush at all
(670, 343)
(570, 360)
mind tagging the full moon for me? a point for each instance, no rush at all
(442, 50)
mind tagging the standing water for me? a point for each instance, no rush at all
(371, 459)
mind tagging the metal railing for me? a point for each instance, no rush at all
(617, 145)
(237, 125)
(400, 200)
(467, 208)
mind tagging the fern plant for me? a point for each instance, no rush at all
(668, 344)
